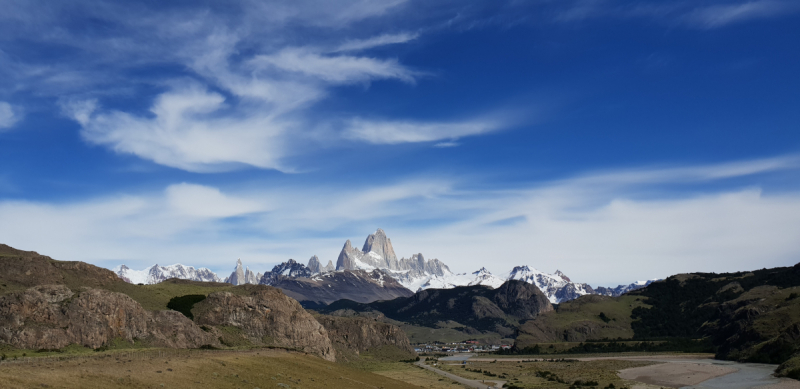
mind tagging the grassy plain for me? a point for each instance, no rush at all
(558, 374)
(219, 369)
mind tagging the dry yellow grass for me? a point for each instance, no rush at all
(416, 376)
(227, 369)
(546, 374)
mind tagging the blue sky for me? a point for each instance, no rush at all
(614, 140)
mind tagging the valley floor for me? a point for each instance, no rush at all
(265, 368)
(688, 371)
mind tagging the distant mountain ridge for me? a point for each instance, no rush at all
(377, 254)
(155, 274)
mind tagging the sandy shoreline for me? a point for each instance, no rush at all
(676, 374)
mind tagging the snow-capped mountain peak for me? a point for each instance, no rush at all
(155, 274)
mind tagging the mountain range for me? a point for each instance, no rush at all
(377, 254)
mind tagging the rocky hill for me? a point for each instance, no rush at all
(352, 336)
(266, 317)
(475, 308)
(53, 317)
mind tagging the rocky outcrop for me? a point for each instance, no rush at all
(378, 253)
(237, 277)
(53, 316)
(266, 316)
(359, 334)
(314, 265)
(348, 257)
(241, 276)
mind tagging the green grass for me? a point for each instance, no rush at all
(233, 337)
(790, 368)
(156, 297)
(551, 375)
(376, 359)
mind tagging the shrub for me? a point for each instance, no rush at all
(184, 304)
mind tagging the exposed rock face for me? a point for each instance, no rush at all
(360, 334)
(288, 269)
(241, 276)
(380, 244)
(348, 257)
(357, 285)
(237, 277)
(378, 253)
(266, 316)
(250, 277)
(52, 316)
(314, 265)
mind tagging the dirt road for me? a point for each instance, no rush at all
(469, 383)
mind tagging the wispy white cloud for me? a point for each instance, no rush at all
(724, 14)
(339, 69)
(394, 132)
(688, 14)
(204, 201)
(592, 226)
(690, 174)
(9, 115)
(377, 41)
(254, 76)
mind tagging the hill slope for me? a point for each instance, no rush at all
(474, 308)
(748, 316)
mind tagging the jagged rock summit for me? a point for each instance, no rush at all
(378, 253)
(242, 276)
(304, 284)
(316, 266)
